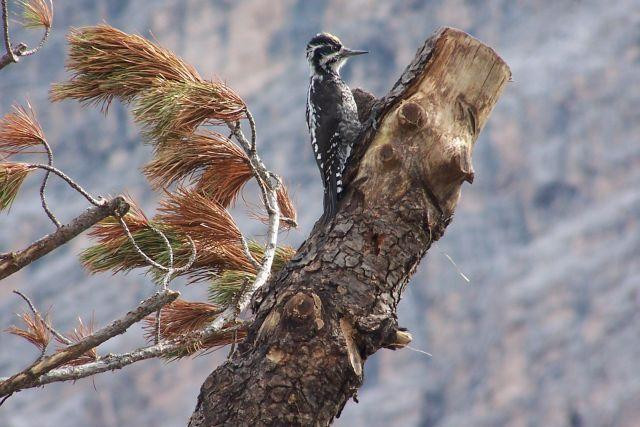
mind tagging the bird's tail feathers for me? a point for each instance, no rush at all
(330, 198)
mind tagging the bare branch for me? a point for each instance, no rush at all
(112, 362)
(247, 253)
(43, 40)
(254, 134)
(69, 181)
(268, 189)
(7, 41)
(43, 186)
(192, 257)
(30, 375)
(140, 252)
(14, 261)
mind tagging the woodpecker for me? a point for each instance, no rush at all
(332, 114)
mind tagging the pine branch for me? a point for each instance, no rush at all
(14, 261)
(171, 101)
(207, 159)
(59, 337)
(12, 175)
(171, 348)
(29, 376)
(36, 14)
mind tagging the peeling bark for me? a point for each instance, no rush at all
(335, 303)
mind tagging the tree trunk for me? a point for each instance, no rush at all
(335, 303)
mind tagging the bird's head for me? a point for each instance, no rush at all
(326, 53)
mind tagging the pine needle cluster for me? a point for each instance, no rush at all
(169, 95)
(35, 330)
(183, 317)
(36, 14)
(79, 333)
(12, 175)
(206, 159)
(19, 131)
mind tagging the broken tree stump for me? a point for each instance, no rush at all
(335, 303)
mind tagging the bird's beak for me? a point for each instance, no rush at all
(345, 52)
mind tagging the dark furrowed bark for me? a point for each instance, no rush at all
(335, 303)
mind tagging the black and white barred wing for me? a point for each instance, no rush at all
(323, 120)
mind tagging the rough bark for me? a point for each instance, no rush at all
(335, 303)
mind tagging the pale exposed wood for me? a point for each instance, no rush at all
(427, 137)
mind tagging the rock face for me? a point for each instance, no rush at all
(545, 333)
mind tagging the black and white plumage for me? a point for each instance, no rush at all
(332, 114)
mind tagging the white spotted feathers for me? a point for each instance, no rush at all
(332, 115)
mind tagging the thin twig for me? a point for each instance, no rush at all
(44, 185)
(51, 329)
(5, 26)
(14, 261)
(247, 252)
(151, 262)
(29, 376)
(252, 125)
(43, 40)
(192, 257)
(268, 190)
(69, 181)
(229, 314)
(140, 252)
(260, 172)
(165, 280)
(236, 132)
(169, 271)
(156, 331)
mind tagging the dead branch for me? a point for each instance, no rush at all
(111, 362)
(14, 261)
(32, 373)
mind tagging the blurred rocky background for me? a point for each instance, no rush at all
(547, 332)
